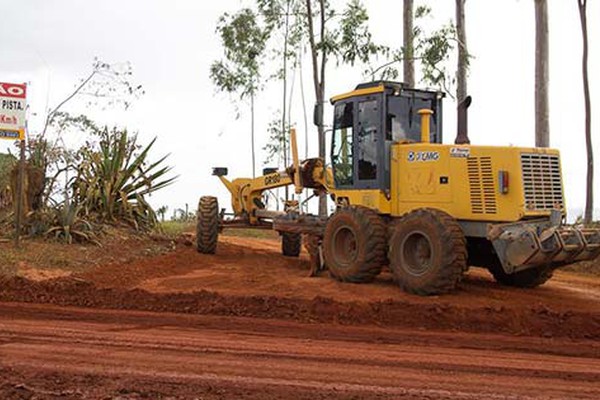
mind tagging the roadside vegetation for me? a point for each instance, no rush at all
(75, 189)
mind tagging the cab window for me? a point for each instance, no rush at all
(368, 126)
(341, 151)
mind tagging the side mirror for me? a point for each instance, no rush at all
(219, 171)
(318, 114)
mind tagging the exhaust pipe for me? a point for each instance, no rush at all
(462, 129)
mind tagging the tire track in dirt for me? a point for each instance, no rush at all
(256, 358)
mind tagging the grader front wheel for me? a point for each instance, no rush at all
(207, 226)
(428, 252)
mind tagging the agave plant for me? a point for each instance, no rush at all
(67, 224)
(112, 181)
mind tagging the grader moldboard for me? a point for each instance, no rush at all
(427, 210)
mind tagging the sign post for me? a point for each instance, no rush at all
(13, 106)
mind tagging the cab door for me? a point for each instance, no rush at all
(368, 145)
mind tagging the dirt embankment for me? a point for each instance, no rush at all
(249, 277)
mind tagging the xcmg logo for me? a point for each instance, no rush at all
(12, 90)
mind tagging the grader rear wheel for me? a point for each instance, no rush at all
(354, 245)
(291, 244)
(207, 226)
(428, 252)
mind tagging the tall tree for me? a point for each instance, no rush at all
(463, 54)
(244, 41)
(318, 82)
(408, 61)
(589, 198)
(542, 124)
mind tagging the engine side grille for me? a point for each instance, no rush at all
(542, 182)
(481, 185)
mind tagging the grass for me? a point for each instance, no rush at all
(252, 233)
(174, 229)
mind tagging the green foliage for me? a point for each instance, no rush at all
(433, 50)
(244, 41)
(66, 223)
(354, 39)
(277, 139)
(114, 179)
(174, 229)
(7, 163)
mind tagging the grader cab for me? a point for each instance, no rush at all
(426, 210)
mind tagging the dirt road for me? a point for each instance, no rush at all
(248, 323)
(76, 353)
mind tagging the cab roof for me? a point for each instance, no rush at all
(378, 87)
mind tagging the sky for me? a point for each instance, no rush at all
(51, 45)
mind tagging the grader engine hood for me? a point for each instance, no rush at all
(478, 183)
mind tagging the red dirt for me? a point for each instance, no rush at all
(250, 323)
(70, 353)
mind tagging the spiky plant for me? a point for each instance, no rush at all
(114, 180)
(68, 225)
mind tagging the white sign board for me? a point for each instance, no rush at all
(13, 103)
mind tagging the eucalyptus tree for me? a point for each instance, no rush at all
(408, 61)
(243, 37)
(542, 121)
(463, 53)
(589, 199)
(328, 33)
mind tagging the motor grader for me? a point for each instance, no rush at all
(405, 200)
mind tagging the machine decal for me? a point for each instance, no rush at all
(460, 152)
(423, 156)
(272, 179)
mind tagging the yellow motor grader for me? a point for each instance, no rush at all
(404, 199)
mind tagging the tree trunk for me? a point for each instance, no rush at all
(408, 56)
(463, 54)
(284, 132)
(589, 198)
(319, 84)
(542, 125)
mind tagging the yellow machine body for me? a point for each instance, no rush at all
(472, 183)
(387, 154)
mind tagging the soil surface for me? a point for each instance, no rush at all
(249, 323)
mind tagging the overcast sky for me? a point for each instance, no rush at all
(51, 44)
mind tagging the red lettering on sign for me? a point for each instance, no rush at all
(13, 90)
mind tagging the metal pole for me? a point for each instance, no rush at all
(19, 208)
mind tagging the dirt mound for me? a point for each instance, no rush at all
(537, 320)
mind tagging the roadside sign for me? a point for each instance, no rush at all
(13, 104)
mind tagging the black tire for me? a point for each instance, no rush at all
(528, 278)
(291, 244)
(427, 252)
(207, 226)
(354, 245)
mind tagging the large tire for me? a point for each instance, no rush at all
(207, 226)
(528, 278)
(354, 245)
(291, 244)
(427, 252)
